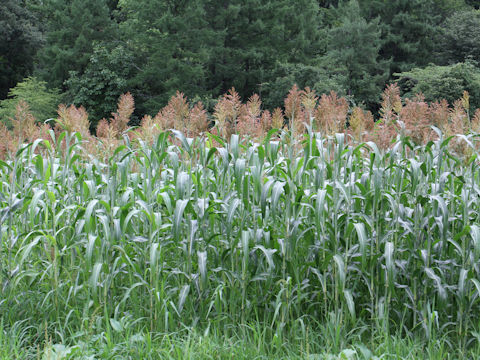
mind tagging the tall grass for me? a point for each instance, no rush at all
(291, 237)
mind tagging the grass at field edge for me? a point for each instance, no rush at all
(190, 344)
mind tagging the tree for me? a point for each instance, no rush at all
(328, 3)
(473, 3)
(171, 41)
(19, 41)
(461, 37)
(410, 29)
(104, 79)
(204, 48)
(443, 82)
(42, 101)
(255, 36)
(72, 29)
(354, 49)
(319, 76)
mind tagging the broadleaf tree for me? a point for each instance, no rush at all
(105, 78)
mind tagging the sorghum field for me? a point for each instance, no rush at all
(295, 244)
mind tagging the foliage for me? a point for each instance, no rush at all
(354, 47)
(204, 49)
(410, 29)
(72, 29)
(104, 79)
(245, 344)
(321, 76)
(41, 100)
(473, 3)
(19, 40)
(255, 36)
(155, 48)
(461, 37)
(171, 43)
(443, 82)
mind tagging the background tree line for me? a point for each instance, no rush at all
(88, 52)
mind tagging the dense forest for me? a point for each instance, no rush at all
(89, 52)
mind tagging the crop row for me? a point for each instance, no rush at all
(184, 233)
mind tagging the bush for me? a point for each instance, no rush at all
(42, 102)
(443, 82)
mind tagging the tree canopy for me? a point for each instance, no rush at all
(42, 100)
(20, 38)
(95, 50)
